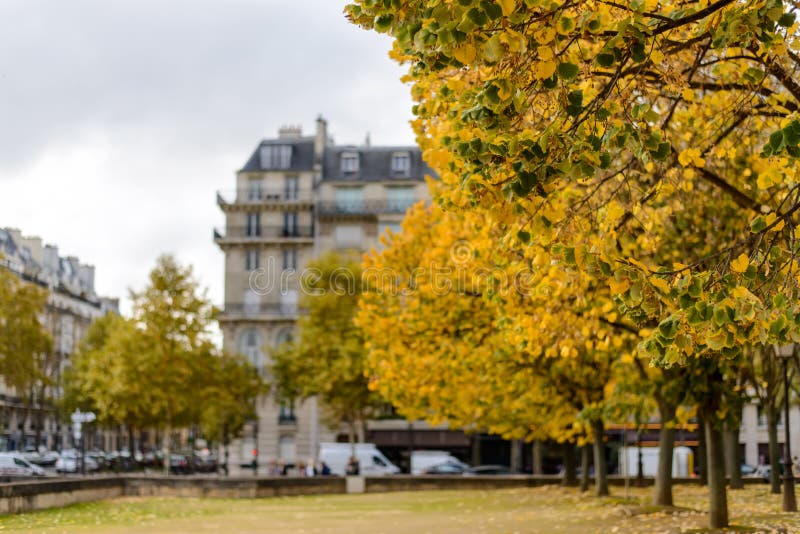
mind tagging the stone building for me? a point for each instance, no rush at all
(295, 198)
(72, 305)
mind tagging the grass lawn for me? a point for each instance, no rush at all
(547, 509)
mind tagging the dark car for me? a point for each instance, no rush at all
(447, 468)
(204, 463)
(121, 462)
(179, 464)
(488, 470)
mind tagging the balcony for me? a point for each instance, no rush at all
(261, 312)
(360, 209)
(235, 235)
(231, 199)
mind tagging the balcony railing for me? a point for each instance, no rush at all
(367, 207)
(262, 311)
(263, 232)
(262, 196)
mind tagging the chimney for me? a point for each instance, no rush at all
(50, 258)
(367, 142)
(320, 139)
(87, 277)
(34, 245)
(290, 132)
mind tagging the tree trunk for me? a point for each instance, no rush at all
(536, 452)
(600, 468)
(361, 429)
(733, 466)
(166, 449)
(475, 452)
(516, 456)
(702, 457)
(569, 479)
(666, 443)
(774, 452)
(718, 499)
(585, 454)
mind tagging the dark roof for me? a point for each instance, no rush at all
(302, 154)
(374, 164)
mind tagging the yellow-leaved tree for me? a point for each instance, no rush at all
(614, 135)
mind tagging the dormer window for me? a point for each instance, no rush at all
(276, 156)
(349, 163)
(401, 164)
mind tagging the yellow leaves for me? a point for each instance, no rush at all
(660, 284)
(465, 53)
(544, 69)
(691, 156)
(507, 6)
(741, 263)
(688, 94)
(771, 218)
(545, 35)
(614, 212)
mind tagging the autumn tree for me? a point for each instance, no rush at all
(24, 342)
(104, 376)
(620, 130)
(229, 388)
(327, 358)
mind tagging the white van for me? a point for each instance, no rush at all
(14, 465)
(371, 461)
(423, 460)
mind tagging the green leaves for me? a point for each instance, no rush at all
(567, 71)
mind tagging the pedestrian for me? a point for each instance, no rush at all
(324, 469)
(311, 469)
(352, 466)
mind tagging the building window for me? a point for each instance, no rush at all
(401, 164)
(290, 224)
(250, 346)
(349, 163)
(349, 200)
(290, 188)
(289, 258)
(254, 190)
(276, 156)
(253, 228)
(286, 413)
(251, 259)
(399, 199)
(349, 236)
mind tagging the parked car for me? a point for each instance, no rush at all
(14, 465)
(69, 462)
(121, 462)
(204, 463)
(488, 470)
(46, 459)
(447, 468)
(421, 461)
(179, 464)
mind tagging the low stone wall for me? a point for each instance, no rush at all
(49, 493)
(37, 495)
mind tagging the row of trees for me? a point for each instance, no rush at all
(26, 347)
(627, 173)
(159, 369)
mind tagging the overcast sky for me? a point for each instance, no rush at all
(119, 120)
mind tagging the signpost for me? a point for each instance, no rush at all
(78, 419)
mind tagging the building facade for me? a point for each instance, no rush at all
(295, 198)
(31, 420)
